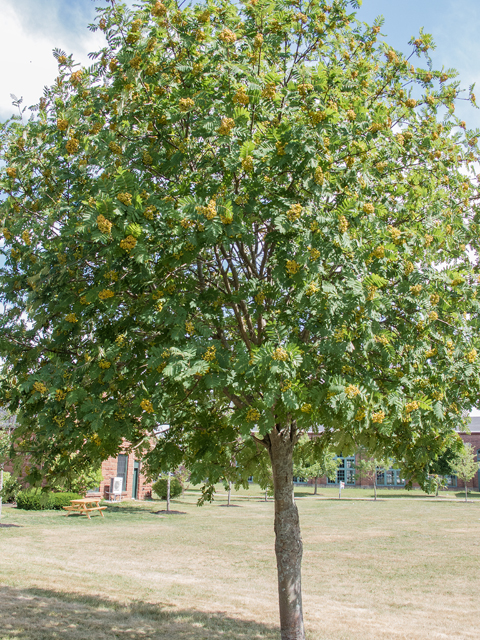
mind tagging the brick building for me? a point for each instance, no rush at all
(391, 478)
(126, 466)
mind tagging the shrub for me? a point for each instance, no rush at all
(37, 501)
(160, 488)
(10, 488)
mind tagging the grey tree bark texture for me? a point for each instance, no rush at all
(288, 541)
(168, 492)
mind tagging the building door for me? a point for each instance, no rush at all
(136, 473)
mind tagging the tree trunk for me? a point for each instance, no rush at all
(466, 491)
(229, 493)
(168, 492)
(266, 495)
(375, 484)
(288, 540)
(1, 487)
(315, 490)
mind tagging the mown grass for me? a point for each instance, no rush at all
(404, 568)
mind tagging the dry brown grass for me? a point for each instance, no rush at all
(401, 569)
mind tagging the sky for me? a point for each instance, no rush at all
(31, 29)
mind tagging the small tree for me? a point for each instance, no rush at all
(310, 462)
(243, 220)
(167, 486)
(371, 465)
(6, 427)
(465, 465)
(442, 465)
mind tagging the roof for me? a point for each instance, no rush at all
(474, 425)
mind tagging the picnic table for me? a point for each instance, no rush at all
(84, 505)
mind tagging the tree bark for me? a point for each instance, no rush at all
(168, 492)
(316, 483)
(229, 493)
(288, 540)
(375, 484)
(1, 487)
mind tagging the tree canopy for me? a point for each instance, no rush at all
(234, 210)
(244, 221)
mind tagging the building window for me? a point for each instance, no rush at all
(122, 468)
(298, 480)
(345, 471)
(390, 478)
(95, 490)
(451, 481)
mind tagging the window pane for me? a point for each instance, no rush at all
(390, 478)
(341, 475)
(122, 468)
(350, 463)
(350, 476)
(380, 477)
(342, 463)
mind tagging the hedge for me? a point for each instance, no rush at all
(160, 488)
(36, 501)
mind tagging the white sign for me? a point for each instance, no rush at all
(342, 485)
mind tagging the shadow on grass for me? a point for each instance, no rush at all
(41, 614)
(142, 508)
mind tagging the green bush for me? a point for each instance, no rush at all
(10, 488)
(37, 501)
(160, 488)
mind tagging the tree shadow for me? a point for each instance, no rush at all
(170, 513)
(42, 614)
(131, 508)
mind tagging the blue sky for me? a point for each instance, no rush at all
(30, 29)
(454, 25)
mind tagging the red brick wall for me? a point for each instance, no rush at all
(109, 471)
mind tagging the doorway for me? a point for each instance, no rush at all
(136, 473)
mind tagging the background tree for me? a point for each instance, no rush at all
(441, 467)
(7, 424)
(465, 465)
(372, 464)
(81, 481)
(309, 462)
(242, 221)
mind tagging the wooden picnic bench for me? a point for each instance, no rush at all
(85, 506)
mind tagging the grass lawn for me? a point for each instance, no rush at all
(397, 568)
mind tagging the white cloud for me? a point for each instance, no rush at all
(28, 34)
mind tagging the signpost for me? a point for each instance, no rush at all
(341, 485)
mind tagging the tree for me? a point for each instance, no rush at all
(442, 465)
(81, 480)
(372, 464)
(242, 221)
(309, 463)
(7, 424)
(465, 465)
(166, 489)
